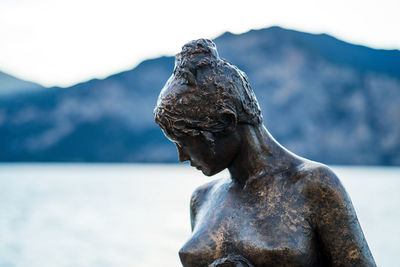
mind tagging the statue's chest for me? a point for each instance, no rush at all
(264, 228)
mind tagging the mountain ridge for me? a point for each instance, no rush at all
(10, 84)
(335, 109)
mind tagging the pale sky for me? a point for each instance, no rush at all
(62, 42)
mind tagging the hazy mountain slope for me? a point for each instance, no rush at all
(99, 120)
(11, 85)
(323, 98)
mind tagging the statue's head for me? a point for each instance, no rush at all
(203, 91)
(205, 96)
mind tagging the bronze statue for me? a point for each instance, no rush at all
(276, 208)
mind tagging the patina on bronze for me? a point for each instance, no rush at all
(276, 208)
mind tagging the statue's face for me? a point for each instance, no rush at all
(205, 157)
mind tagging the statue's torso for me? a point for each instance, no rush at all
(266, 223)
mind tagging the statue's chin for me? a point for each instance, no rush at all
(208, 172)
(205, 171)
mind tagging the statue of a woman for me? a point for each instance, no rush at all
(276, 208)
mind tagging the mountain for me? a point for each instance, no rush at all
(12, 85)
(322, 98)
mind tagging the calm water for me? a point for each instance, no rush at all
(137, 215)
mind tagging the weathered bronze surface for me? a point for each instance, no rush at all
(276, 208)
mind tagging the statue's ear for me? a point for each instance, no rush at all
(229, 120)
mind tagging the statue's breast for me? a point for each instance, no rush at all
(268, 228)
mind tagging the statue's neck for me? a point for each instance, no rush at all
(259, 155)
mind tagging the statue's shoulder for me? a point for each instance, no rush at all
(321, 187)
(315, 174)
(200, 193)
(199, 196)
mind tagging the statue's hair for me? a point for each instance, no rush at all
(202, 90)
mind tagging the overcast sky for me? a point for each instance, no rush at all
(61, 42)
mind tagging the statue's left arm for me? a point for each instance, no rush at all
(339, 234)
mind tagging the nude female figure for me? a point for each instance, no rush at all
(276, 208)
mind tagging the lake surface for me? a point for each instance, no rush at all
(120, 215)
